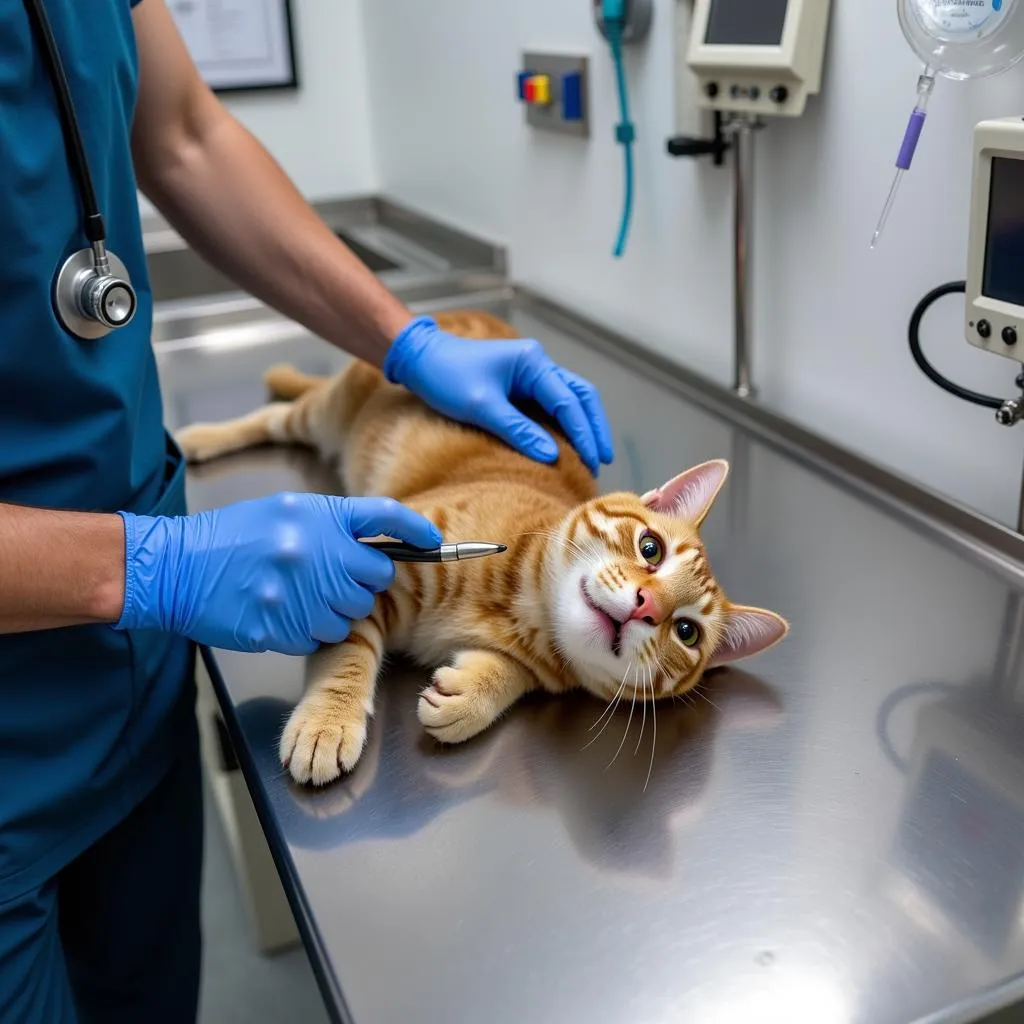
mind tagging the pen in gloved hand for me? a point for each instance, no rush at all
(445, 553)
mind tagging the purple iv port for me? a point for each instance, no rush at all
(910, 140)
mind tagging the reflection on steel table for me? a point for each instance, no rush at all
(540, 756)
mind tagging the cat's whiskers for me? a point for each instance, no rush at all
(661, 672)
(654, 742)
(647, 651)
(643, 721)
(700, 693)
(588, 550)
(559, 652)
(612, 704)
(654, 715)
(559, 538)
(629, 722)
(590, 546)
(550, 534)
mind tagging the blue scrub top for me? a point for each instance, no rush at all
(89, 717)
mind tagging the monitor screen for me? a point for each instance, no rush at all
(746, 22)
(1003, 275)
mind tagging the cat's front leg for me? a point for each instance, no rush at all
(468, 696)
(326, 732)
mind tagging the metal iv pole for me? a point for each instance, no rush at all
(734, 132)
(742, 130)
(1020, 509)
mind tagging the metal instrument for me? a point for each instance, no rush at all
(445, 553)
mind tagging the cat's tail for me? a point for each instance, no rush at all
(286, 383)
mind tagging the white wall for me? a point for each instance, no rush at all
(320, 134)
(831, 316)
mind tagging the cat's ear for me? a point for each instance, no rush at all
(748, 631)
(691, 494)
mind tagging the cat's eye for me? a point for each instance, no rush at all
(688, 632)
(651, 549)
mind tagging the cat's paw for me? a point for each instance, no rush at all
(201, 442)
(453, 709)
(321, 741)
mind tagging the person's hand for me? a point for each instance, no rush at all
(476, 383)
(284, 573)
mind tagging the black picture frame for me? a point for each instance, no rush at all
(290, 84)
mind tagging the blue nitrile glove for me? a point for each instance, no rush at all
(283, 573)
(475, 382)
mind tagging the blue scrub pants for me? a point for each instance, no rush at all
(115, 937)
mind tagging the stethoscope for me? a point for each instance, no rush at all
(92, 292)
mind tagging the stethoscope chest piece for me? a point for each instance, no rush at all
(93, 294)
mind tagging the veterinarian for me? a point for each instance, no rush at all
(105, 584)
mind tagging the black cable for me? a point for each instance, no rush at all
(915, 348)
(76, 148)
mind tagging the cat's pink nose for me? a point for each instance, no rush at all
(647, 608)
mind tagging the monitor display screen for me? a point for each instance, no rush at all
(746, 22)
(1003, 274)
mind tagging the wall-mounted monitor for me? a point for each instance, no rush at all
(758, 56)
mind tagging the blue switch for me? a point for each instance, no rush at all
(522, 77)
(572, 96)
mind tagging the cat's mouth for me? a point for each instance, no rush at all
(611, 626)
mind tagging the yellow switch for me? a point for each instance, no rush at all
(538, 90)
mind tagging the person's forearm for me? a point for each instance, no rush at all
(59, 568)
(229, 200)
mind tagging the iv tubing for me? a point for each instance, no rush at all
(911, 137)
(624, 132)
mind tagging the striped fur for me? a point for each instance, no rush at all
(543, 616)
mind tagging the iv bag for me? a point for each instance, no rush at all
(964, 39)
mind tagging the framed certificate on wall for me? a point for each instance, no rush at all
(239, 45)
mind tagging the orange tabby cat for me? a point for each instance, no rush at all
(611, 594)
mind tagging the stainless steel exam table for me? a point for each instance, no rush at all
(834, 834)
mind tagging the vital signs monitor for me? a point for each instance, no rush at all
(994, 304)
(758, 56)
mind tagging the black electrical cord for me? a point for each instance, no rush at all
(80, 164)
(915, 348)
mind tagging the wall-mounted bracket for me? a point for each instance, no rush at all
(639, 14)
(687, 146)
